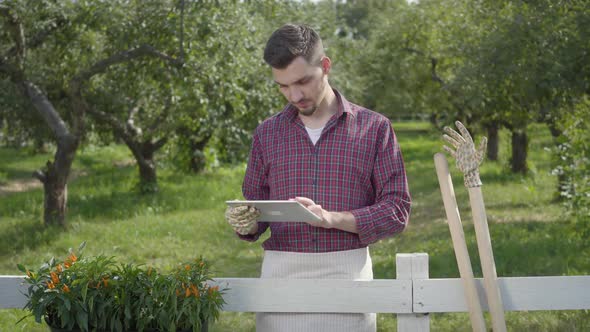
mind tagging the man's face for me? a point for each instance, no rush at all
(303, 84)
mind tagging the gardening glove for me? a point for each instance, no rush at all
(243, 218)
(468, 159)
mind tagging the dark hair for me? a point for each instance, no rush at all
(291, 41)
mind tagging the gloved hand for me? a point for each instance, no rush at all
(468, 159)
(243, 218)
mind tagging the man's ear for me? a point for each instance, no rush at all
(326, 65)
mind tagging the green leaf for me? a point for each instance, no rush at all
(82, 319)
(67, 302)
(21, 268)
(84, 290)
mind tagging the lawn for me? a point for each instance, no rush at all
(531, 233)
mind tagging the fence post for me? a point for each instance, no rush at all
(412, 266)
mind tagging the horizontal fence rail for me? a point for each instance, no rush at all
(312, 295)
(379, 295)
(518, 294)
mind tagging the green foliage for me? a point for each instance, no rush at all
(96, 293)
(574, 161)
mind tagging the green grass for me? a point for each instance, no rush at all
(530, 232)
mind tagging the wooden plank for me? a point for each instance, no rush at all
(410, 267)
(518, 294)
(12, 292)
(388, 296)
(280, 295)
(310, 295)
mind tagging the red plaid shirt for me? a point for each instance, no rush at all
(355, 166)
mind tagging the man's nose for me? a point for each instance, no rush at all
(295, 94)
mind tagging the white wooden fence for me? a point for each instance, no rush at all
(411, 296)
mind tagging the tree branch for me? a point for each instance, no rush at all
(121, 57)
(40, 36)
(77, 82)
(157, 123)
(45, 108)
(181, 42)
(14, 73)
(433, 63)
(15, 28)
(160, 143)
(39, 175)
(111, 120)
(130, 119)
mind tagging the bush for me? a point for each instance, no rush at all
(96, 293)
(574, 160)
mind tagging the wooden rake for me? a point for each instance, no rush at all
(458, 237)
(468, 161)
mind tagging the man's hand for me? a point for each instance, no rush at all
(468, 159)
(243, 219)
(344, 221)
(326, 221)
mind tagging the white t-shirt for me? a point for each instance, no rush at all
(314, 134)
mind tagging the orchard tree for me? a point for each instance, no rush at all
(39, 32)
(138, 101)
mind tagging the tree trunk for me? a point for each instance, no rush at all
(148, 180)
(56, 198)
(55, 181)
(518, 162)
(562, 181)
(144, 156)
(198, 161)
(493, 141)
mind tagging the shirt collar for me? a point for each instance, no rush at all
(344, 106)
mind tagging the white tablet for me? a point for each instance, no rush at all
(279, 211)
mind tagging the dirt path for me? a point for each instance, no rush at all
(21, 185)
(16, 186)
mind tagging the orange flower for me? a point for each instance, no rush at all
(54, 278)
(195, 290)
(187, 267)
(65, 288)
(59, 269)
(67, 264)
(201, 264)
(187, 292)
(213, 289)
(73, 257)
(105, 281)
(50, 285)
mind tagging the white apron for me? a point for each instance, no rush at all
(350, 264)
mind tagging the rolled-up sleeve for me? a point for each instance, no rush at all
(390, 213)
(255, 185)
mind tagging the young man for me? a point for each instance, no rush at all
(341, 161)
